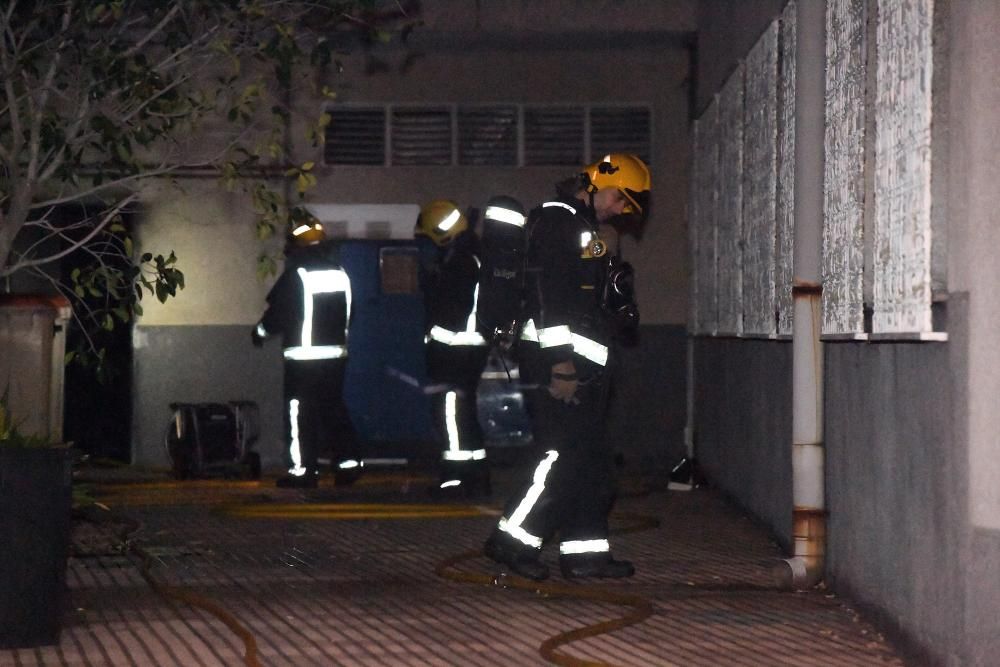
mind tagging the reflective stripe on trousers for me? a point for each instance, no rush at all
(512, 526)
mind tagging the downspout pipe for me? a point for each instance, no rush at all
(805, 568)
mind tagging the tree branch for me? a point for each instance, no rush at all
(12, 98)
(38, 112)
(75, 245)
(167, 18)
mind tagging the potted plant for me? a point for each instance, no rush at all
(35, 506)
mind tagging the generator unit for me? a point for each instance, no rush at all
(213, 439)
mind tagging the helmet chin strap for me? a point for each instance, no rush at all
(591, 191)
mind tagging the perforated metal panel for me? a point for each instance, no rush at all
(760, 162)
(487, 136)
(421, 136)
(701, 234)
(785, 231)
(729, 218)
(902, 230)
(843, 206)
(694, 215)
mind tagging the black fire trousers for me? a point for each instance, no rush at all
(577, 492)
(453, 371)
(316, 417)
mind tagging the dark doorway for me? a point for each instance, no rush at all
(98, 397)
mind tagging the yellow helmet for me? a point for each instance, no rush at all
(441, 221)
(627, 173)
(305, 228)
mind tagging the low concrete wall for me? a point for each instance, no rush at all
(646, 416)
(897, 485)
(743, 425)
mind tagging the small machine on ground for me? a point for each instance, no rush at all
(213, 440)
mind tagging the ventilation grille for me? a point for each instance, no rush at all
(355, 136)
(421, 136)
(487, 136)
(620, 130)
(553, 136)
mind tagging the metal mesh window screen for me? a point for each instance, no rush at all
(553, 136)
(704, 202)
(760, 171)
(620, 130)
(487, 136)
(784, 245)
(355, 136)
(729, 213)
(902, 231)
(844, 168)
(421, 136)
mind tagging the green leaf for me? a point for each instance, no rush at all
(128, 246)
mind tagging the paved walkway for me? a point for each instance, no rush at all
(242, 573)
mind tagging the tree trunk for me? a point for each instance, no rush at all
(10, 225)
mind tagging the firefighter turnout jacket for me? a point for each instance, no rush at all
(451, 293)
(310, 306)
(564, 281)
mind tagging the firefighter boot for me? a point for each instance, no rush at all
(600, 565)
(520, 559)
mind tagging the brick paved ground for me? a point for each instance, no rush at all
(323, 590)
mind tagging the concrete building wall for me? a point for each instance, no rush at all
(912, 472)
(896, 483)
(743, 389)
(743, 425)
(564, 52)
(974, 236)
(196, 348)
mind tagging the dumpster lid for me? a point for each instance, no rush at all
(48, 302)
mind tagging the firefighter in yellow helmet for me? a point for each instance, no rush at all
(309, 308)
(566, 353)
(455, 352)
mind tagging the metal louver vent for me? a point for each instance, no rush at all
(553, 136)
(355, 136)
(487, 136)
(421, 136)
(620, 130)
